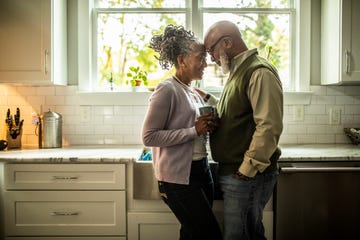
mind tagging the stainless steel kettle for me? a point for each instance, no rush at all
(50, 130)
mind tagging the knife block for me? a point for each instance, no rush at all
(13, 143)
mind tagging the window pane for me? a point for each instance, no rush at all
(141, 4)
(123, 40)
(269, 33)
(246, 4)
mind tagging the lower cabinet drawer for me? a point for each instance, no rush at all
(65, 213)
(64, 176)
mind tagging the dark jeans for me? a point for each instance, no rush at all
(192, 204)
(244, 202)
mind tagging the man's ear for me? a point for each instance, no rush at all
(228, 42)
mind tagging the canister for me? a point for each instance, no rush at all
(51, 135)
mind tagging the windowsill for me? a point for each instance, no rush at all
(114, 98)
(142, 98)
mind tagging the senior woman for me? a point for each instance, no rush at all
(177, 135)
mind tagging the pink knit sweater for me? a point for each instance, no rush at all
(169, 128)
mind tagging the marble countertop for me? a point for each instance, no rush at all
(126, 153)
(74, 154)
(320, 152)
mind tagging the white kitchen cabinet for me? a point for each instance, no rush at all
(33, 42)
(65, 201)
(340, 38)
(151, 225)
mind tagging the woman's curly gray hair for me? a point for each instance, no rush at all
(175, 41)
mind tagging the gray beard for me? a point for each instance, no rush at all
(224, 61)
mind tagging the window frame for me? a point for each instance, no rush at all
(300, 36)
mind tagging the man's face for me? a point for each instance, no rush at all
(216, 51)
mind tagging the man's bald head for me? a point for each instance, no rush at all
(225, 29)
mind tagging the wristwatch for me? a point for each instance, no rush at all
(207, 97)
(241, 176)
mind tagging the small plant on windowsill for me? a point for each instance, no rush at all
(137, 76)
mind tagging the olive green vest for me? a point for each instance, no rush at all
(232, 139)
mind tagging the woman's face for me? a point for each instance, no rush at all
(195, 63)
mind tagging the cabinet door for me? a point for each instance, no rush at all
(340, 37)
(150, 226)
(24, 40)
(65, 213)
(351, 41)
(33, 41)
(64, 176)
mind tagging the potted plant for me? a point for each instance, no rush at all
(137, 76)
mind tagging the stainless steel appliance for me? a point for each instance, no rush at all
(50, 130)
(318, 200)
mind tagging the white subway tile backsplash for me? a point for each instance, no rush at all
(123, 129)
(104, 129)
(26, 91)
(352, 109)
(65, 90)
(345, 100)
(123, 110)
(140, 110)
(114, 140)
(103, 110)
(325, 138)
(295, 129)
(86, 129)
(316, 129)
(36, 101)
(315, 109)
(55, 100)
(16, 101)
(94, 139)
(120, 123)
(288, 139)
(45, 91)
(351, 91)
(66, 110)
(73, 139)
(335, 90)
(321, 99)
(72, 100)
(318, 90)
(113, 120)
(302, 139)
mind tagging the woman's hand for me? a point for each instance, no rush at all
(205, 123)
(213, 124)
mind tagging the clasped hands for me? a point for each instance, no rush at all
(206, 123)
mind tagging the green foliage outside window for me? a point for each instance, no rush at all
(123, 37)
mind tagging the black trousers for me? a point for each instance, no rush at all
(192, 204)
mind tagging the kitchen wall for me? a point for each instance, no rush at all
(120, 123)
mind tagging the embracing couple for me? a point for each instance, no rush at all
(244, 134)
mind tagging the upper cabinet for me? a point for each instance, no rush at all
(340, 42)
(33, 42)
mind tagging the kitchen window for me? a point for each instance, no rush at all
(121, 31)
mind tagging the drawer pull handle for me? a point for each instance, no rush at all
(65, 178)
(65, 213)
(347, 62)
